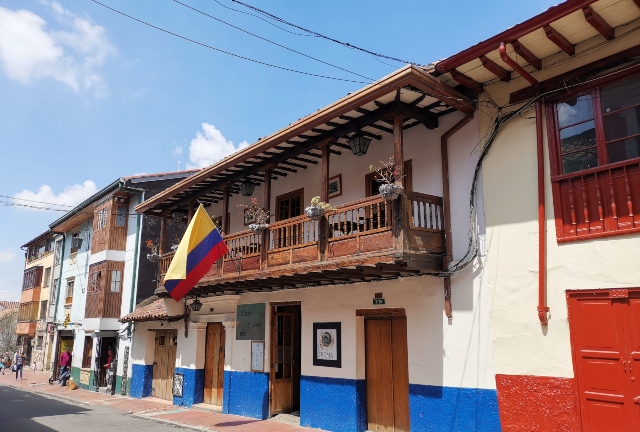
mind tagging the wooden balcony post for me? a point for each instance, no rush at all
(225, 209)
(266, 204)
(323, 225)
(163, 231)
(399, 216)
(191, 211)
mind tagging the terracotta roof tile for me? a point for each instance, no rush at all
(154, 311)
(10, 304)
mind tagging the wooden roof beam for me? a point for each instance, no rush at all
(301, 159)
(557, 38)
(469, 83)
(495, 69)
(598, 23)
(524, 52)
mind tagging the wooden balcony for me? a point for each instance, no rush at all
(103, 305)
(362, 240)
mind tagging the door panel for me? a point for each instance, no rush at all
(163, 364)
(603, 333)
(214, 364)
(387, 375)
(283, 367)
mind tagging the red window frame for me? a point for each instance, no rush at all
(599, 201)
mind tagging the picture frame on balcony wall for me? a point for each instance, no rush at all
(335, 186)
(327, 346)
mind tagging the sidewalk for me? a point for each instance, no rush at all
(150, 408)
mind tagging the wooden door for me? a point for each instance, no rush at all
(283, 351)
(605, 334)
(164, 362)
(214, 364)
(387, 374)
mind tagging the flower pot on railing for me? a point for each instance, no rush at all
(153, 257)
(174, 247)
(390, 191)
(258, 227)
(314, 213)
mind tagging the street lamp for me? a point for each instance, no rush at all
(196, 305)
(359, 144)
(247, 187)
(177, 215)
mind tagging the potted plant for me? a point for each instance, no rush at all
(317, 208)
(389, 190)
(257, 214)
(153, 248)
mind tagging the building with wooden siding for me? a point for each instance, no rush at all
(33, 338)
(103, 274)
(498, 292)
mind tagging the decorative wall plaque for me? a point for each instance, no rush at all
(257, 356)
(250, 319)
(178, 384)
(327, 347)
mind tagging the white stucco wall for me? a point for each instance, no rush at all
(521, 344)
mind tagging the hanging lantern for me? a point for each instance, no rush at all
(76, 242)
(196, 305)
(359, 144)
(178, 215)
(247, 187)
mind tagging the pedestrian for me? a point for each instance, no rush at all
(18, 364)
(3, 362)
(65, 363)
(108, 366)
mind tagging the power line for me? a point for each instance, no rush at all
(260, 18)
(270, 41)
(320, 35)
(34, 201)
(228, 52)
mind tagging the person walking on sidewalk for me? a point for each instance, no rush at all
(65, 363)
(19, 360)
(3, 362)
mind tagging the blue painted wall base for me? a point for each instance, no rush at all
(192, 388)
(246, 394)
(333, 404)
(451, 409)
(141, 380)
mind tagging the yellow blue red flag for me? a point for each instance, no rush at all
(200, 247)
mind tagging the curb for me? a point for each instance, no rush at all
(172, 423)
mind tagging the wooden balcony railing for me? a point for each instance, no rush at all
(355, 230)
(103, 305)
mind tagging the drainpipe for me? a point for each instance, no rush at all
(446, 204)
(55, 311)
(135, 264)
(543, 309)
(516, 67)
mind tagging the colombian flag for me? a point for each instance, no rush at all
(200, 248)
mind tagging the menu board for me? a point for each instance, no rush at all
(250, 321)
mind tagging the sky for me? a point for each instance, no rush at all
(88, 95)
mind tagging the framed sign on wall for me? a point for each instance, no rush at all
(257, 356)
(327, 347)
(335, 186)
(250, 321)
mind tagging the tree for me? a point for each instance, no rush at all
(8, 324)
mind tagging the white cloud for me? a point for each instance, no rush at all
(72, 55)
(69, 197)
(7, 255)
(209, 146)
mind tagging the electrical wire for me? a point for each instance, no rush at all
(271, 42)
(320, 35)
(228, 52)
(260, 18)
(34, 201)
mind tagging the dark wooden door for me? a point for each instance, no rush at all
(214, 364)
(164, 362)
(285, 378)
(387, 374)
(605, 334)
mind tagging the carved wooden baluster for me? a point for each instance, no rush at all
(417, 221)
(626, 185)
(425, 217)
(573, 211)
(585, 209)
(430, 216)
(600, 213)
(613, 199)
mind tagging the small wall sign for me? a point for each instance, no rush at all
(257, 356)
(377, 299)
(327, 349)
(250, 321)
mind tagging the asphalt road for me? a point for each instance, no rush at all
(29, 412)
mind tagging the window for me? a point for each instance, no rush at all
(47, 276)
(121, 216)
(55, 287)
(39, 342)
(43, 309)
(116, 276)
(58, 253)
(70, 284)
(32, 278)
(87, 352)
(289, 205)
(101, 218)
(94, 283)
(372, 185)
(594, 139)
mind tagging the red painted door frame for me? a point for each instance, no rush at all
(600, 351)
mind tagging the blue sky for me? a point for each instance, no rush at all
(89, 95)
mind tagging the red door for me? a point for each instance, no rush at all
(605, 334)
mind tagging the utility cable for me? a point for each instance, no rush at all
(260, 18)
(34, 201)
(228, 52)
(320, 35)
(270, 41)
